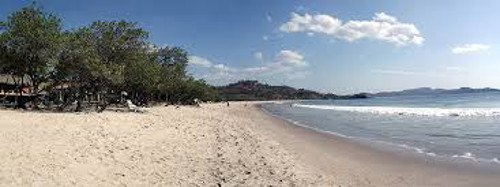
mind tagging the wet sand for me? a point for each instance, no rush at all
(351, 163)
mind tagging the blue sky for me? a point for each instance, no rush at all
(326, 45)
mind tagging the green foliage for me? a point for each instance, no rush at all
(102, 58)
(201, 90)
(173, 62)
(143, 76)
(76, 59)
(3, 52)
(31, 38)
(191, 89)
(117, 45)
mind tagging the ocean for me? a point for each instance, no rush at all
(455, 127)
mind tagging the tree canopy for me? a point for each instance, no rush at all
(103, 58)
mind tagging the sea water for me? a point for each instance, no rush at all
(461, 127)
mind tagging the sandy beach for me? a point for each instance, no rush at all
(214, 145)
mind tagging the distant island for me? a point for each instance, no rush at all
(252, 90)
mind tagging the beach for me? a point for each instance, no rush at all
(211, 145)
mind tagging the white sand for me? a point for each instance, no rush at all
(208, 146)
(166, 146)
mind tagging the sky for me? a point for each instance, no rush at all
(325, 45)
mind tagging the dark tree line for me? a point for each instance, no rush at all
(104, 59)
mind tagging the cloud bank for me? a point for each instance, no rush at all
(382, 27)
(292, 58)
(198, 61)
(258, 55)
(286, 64)
(470, 49)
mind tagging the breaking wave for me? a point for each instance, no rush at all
(406, 111)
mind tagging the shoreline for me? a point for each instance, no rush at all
(379, 166)
(403, 150)
(211, 145)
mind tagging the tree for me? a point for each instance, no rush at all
(78, 62)
(31, 38)
(143, 78)
(173, 61)
(198, 89)
(103, 59)
(117, 44)
(3, 51)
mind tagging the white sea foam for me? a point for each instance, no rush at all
(419, 150)
(495, 160)
(384, 110)
(431, 154)
(466, 156)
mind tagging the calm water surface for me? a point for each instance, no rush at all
(453, 126)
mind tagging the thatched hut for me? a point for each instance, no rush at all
(12, 88)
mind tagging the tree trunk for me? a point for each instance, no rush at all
(20, 100)
(79, 100)
(35, 91)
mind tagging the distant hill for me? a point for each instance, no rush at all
(431, 91)
(250, 90)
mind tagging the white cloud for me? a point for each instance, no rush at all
(470, 48)
(318, 23)
(381, 27)
(223, 68)
(258, 55)
(207, 64)
(286, 65)
(256, 69)
(265, 38)
(199, 61)
(284, 61)
(395, 72)
(452, 68)
(269, 17)
(290, 57)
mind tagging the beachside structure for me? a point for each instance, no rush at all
(14, 89)
(10, 87)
